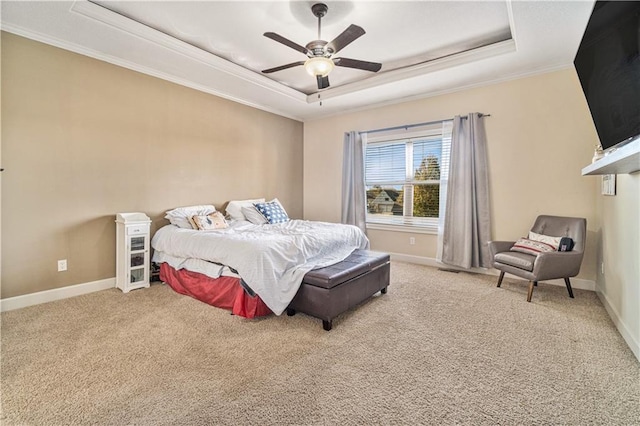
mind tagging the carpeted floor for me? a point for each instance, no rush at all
(439, 348)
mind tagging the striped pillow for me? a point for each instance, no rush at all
(525, 245)
(554, 241)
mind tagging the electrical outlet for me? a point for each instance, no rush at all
(412, 240)
(62, 265)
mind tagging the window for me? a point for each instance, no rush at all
(403, 174)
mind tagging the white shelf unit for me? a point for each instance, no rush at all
(132, 251)
(625, 159)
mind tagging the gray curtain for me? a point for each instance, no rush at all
(467, 224)
(444, 183)
(353, 191)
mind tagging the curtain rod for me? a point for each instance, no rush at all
(408, 126)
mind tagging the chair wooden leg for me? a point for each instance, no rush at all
(500, 279)
(530, 292)
(566, 281)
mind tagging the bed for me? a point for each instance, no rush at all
(250, 269)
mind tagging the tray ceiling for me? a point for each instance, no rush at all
(426, 47)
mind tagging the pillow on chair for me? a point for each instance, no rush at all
(553, 241)
(527, 246)
(566, 244)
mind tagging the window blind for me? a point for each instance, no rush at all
(402, 178)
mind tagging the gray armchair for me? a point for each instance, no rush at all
(544, 266)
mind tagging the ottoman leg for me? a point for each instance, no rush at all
(327, 325)
(383, 291)
(291, 312)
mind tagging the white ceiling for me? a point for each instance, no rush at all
(426, 47)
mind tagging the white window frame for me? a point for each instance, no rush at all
(405, 223)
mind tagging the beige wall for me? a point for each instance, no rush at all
(619, 239)
(540, 135)
(83, 140)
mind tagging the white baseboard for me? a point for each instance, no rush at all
(578, 283)
(18, 302)
(633, 344)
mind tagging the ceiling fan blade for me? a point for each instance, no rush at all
(283, 67)
(323, 82)
(286, 42)
(355, 63)
(347, 36)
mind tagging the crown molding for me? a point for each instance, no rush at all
(137, 29)
(81, 50)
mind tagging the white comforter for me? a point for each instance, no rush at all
(271, 259)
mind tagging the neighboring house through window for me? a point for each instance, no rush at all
(402, 177)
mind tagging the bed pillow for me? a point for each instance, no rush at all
(525, 245)
(209, 222)
(272, 211)
(253, 215)
(180, 216)
(234, 208)
(554, 241)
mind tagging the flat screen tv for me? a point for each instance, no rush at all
(608, 66)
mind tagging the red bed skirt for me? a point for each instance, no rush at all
(223, 292)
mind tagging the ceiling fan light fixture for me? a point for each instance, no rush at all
(319, 66)
(319, 53)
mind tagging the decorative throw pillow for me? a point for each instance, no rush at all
(181, 216)
(272, 211)
(253, 215)
(525, 245)
(553, 241)
(211, 221)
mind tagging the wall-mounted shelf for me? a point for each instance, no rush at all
(625, 159)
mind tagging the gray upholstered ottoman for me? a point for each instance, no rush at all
(327, 292)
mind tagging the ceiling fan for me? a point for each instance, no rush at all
(319, 52)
